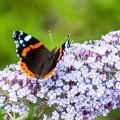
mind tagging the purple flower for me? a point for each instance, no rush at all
(86, 83)
(89, 74)
(16, 90)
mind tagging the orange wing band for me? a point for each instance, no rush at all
(48, 75)
(26, 50)
(60, 55)
(25, 69)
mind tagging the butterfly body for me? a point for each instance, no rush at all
(35, 58)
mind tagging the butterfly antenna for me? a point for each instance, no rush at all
(65, 39)
(51, 38)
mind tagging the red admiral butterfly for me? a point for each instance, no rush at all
(35, 59)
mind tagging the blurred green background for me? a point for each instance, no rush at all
(83, 19)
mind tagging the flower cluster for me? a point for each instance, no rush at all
(16, 90)
(85, 85)
(87, 81)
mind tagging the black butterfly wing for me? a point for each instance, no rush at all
(35, 58)
(63, 48)
(32, 53)
(52, 58)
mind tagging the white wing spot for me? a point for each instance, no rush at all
(21, 33)
(23, 45)
(21, 41)
(17, 45)
(18, 55)
(13, 34)
(27, 38)
(16, 41)
(66, 44)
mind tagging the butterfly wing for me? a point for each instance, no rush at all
(49, 65)
(63, 48)
(32, 53)
(35, 58)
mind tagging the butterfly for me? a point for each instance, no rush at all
(35, 59)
